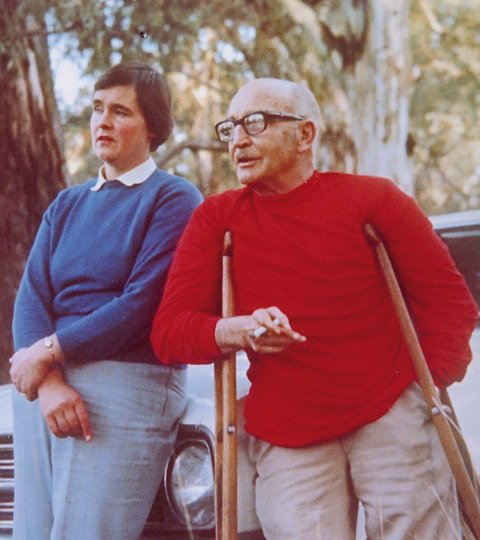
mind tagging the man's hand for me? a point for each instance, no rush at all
(63, 408)
(266, 331)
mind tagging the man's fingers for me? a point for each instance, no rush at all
(272, 332)
(279, 318)
(280, 336)
(265, 321)
(84, 421)
(268, 349)
(272, 318)
(283, 339)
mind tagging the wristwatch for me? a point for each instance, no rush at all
(48, 342)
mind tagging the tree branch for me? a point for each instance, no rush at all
(350, 44)
(194, 146)
(430, 16)
(76, 25)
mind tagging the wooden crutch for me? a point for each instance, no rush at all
(226, 419)
(459, 464)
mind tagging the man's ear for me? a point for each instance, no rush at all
(306, 135)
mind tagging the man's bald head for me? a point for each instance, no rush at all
(283, 95)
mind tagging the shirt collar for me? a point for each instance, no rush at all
(134, 176)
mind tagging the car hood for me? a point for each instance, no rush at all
(201, 391)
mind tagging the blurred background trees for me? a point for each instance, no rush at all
(445, 103)
(31, 153)
(397, 83)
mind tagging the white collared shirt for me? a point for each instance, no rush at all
(134, 176)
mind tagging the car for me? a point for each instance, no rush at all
(461, 232)
(184, 506)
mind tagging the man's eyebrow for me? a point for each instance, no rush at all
(238, 117)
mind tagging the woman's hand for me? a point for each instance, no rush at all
(63, 408)
(30, 366)
(266, 331)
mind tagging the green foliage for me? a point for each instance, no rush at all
(445, 104)
(208, 48)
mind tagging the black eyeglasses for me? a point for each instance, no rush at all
(253, 123)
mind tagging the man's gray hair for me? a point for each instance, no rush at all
(306, 105)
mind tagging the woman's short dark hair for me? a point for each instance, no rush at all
(153, 95)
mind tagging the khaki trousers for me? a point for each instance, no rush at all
(394, 466)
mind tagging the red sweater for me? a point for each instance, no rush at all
(306, 252)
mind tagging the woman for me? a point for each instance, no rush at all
(89, 452)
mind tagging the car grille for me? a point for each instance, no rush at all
(162, 521)
(6, 483)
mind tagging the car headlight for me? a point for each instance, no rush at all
(190, 485)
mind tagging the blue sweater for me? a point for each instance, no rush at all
(97, 268)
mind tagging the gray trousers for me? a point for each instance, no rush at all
(67, 489)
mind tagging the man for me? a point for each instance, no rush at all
(90, 451)
(333, 412)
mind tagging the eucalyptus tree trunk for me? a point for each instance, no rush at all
(207, 159)
(367, 120)
(31, 157)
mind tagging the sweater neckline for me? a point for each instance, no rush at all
(297, 194)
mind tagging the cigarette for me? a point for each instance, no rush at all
(258, 332)
(255, 334)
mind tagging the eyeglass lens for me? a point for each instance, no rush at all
(253, 124)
